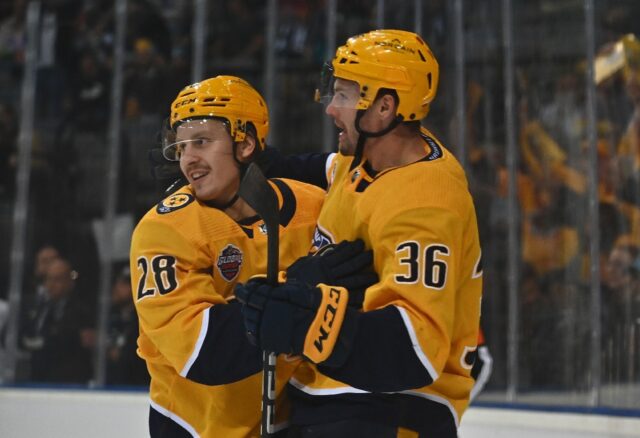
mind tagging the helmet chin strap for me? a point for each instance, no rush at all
(222, 205)
(362, 138)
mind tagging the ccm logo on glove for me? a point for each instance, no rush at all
(325, 328)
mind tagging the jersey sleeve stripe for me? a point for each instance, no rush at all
(424, 360)
(485, 371)
(224, 355)
(174, 417)
(196, 350)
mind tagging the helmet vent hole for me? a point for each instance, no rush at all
(422, 56)
(429, 79)
(354, 53)
(214, 104)
(353, 62)
(191, 110)
(343, 60)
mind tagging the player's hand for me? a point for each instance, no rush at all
(254, 296)
(345, 264)
(294, 318)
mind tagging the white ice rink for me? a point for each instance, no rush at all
(29, 413)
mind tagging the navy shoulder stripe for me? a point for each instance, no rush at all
(289, 204)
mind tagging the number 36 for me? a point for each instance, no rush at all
(433, 267)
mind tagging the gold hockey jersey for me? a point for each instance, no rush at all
(186, 258)
(420, 222)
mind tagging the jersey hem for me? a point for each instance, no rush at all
(174, 417)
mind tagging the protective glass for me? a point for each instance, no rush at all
(199, 135)
(341, 94)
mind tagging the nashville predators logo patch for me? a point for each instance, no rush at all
(321, 238)
(229, 262)
(174, 202)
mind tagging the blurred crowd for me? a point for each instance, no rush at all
(72, 106)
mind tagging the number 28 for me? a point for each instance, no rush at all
(163, 269)
(434, 268)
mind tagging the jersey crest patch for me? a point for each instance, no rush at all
(174, 202)
(229, 262)
(321, 238)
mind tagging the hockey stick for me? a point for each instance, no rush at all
(260, 196)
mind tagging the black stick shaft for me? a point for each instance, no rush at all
(258, 193)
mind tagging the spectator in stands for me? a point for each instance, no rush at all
(620, 307)
(46, 255)
(144, 20)
(90, 93)
(57, 331)
(629, 147)
(238, 35)
(12, 39)
(124, 367)
(619, 279)
(549, 242)
(292, 39)
(146, 81)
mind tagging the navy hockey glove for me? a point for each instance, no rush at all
(294, 318)
(345, 264)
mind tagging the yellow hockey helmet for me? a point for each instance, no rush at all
(226, 97)
(393, 59)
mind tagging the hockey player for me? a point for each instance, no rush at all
(188, 252)
(405, 361)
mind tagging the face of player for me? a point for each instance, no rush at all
(342, 109)
(206, 159)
